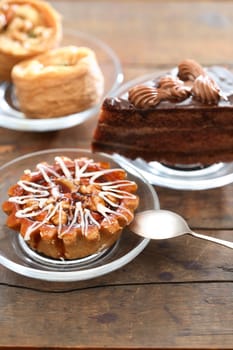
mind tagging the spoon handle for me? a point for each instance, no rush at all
(213, 239)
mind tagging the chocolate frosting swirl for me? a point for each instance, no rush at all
(168, 82)
(143, 96)
(206, 90)
(168, 88)
(191, 80)
(190, 70)
(172, 88)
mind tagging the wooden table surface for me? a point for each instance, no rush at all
(176, 293)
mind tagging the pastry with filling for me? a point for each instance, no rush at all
(71, 208)
(182, 117)
(27, 28)
(60, 82)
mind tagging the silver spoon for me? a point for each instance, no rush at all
(164, 224)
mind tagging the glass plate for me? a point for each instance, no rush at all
(181, 177)
(12, 118)
(15, 254)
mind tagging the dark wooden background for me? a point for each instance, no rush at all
(177, 293)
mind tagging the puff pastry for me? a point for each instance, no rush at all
(27, 28)
(60, 82)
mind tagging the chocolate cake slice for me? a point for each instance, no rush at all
(182, 117)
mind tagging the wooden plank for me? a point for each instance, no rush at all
(136, 316)
(211, 209)
(180, 260)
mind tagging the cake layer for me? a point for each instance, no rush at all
(199, 140)
(170, 157)
(118, 112)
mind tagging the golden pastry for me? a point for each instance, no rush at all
(71, 208)
(60, 82)
(27, 28)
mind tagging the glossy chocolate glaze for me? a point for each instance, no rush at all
(222, 76)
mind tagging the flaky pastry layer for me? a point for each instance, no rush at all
(60, 82)
(27, 28)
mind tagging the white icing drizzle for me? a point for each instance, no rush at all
(64, 168)
(59, 219)
(79, 172)
(95, 175)
(29, 211)
(33, 187)
(85, 219)
(48, 199)
(44, 170)
(47, 168)
(88, 219)
(78, 211)
(38, 224)
(25, 199)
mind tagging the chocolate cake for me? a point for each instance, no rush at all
(182, 117)
(71, 208)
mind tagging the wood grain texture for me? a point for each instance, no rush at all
(176, 294)
(138, 316)
(158, 33)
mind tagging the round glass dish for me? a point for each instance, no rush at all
(15, 254)
(12, 118)
(181, 177)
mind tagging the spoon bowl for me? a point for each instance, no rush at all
(165, 224)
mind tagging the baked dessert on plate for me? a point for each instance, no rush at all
(27, 28)
(17, 255)
(182, 117)
(13, 118)
(59, 82)
(71, 208)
